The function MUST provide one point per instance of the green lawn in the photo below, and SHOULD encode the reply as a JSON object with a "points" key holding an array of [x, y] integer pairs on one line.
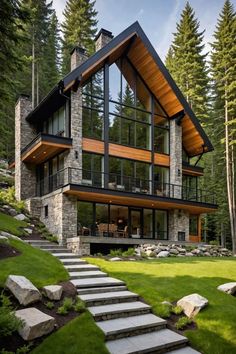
{"points": [[38, 266], [172, 278], [80, 336], [11, 225]]}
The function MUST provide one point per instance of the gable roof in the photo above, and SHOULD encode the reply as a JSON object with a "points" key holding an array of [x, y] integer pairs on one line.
{"points": [[137, 47]]}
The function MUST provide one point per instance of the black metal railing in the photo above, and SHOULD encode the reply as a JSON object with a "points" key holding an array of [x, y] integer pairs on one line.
{"points": [[111, 181]]}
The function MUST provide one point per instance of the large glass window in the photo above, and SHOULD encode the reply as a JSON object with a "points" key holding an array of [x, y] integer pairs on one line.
{"points": [[189, 187], [128, 175], [147, 223], [161, 131], [102, 220], [93, 106], [161, 180], [193, 225], [161, 225], [92, 169], [85, 218], [55, 125]]}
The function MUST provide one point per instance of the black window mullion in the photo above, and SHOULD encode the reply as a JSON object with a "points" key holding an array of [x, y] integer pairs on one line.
{"points": [[106, 125]]}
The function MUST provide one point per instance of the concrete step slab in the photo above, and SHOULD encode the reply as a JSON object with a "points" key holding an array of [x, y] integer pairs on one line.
{"points": [[87, 274], [186, 350], [101, 289], [96, 282], [56, 250], [155, 342], [130, 326], [72, 261], [81, 267], [108, 298], [124, 309], [37, 241], [62, 255]]}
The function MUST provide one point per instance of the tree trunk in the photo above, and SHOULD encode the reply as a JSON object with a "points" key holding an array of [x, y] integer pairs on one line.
{"points": [[33, 71], [229, 178], [37, 84]]}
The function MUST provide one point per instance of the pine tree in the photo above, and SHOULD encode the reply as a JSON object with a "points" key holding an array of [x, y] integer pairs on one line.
{"points": [[223, 65], [79, 28], [187, 63], [11, 35]]}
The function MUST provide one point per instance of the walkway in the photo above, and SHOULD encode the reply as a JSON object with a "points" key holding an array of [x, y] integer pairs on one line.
{"points": [[128, 323]]}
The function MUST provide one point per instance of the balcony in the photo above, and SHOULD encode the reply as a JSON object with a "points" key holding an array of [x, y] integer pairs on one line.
{"points": [[43, 147], [104, 187]]}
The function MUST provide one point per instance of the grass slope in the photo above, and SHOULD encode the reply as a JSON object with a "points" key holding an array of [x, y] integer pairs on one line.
{"points": [[80, 336], [38, 266], [11, 225], [170, 279]]}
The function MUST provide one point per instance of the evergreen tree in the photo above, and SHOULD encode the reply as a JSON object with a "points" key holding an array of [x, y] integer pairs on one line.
{"points": [[223, 65], [79, 28], [11, 35], [187, 63]]}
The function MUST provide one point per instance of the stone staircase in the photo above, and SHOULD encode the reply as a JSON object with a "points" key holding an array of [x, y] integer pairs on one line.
{"points": [[127, 323]]}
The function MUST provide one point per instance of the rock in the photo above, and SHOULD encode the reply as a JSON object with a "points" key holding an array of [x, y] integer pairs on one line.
{"points": [[188, 254], [29, 231], [132, 259], [6, 234], [207, 254], [3, 238], [53, 292], [35, 323], [192, 304], [25, 292], [12, 212], [115, 259], [163, 254], [228, 288], [196, 251], [20, 217], [173, 251], [150, 253]]}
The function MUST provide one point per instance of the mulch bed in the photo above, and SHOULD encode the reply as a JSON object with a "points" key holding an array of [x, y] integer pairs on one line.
{"points": [[173, 319], [8, 251], [11, 343]]}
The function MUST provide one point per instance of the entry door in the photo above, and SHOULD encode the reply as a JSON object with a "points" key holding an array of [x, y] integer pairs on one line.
{"points": [[135, 223]]}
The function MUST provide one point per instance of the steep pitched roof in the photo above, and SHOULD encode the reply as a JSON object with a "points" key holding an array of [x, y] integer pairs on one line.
{"points": [[137, 47]]}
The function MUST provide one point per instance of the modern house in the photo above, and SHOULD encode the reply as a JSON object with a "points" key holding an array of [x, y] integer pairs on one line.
{"points": [[105, 157]]}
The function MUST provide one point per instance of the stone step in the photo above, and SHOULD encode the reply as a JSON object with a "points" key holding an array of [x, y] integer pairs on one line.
{"points": [[56, 250], [130, 326], [124, 309], [87, 274], [65, 255], [101, 289], [38, 241], [72, 261], [81, 267], [50, 246], [155, 342], [109, 298], [185, 350], [94, 282], [39, 244]]}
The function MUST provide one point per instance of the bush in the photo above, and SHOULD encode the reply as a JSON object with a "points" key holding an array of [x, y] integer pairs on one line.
{"points": [[129, 252], [9, 323], [183, 322], [66, 306], [214, 243], [115, 253], [22, 350], [8, 197], [49, 305], [144, 254], [79, 306], [177, 310]]}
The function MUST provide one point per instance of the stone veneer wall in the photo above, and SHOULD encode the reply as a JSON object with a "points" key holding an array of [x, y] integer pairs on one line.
{"points": [[62, 214], [76, 245], [178, 218], [25, 178]]}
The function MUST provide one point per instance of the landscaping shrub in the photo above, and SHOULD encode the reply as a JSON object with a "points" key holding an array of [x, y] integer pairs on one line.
{"points": [[115, 253], [49, 305], [129, 252], [8, 321], [177, 310], [183, 322], [79, 306], [66, 307], [8, 197]]}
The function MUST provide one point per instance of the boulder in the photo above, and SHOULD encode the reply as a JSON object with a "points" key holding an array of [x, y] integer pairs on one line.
{"points": [[228, 288], [6, 234], [163, 254], [192, 304], [20, 217], [35, 323], [29, 231], [174, 251], [188, 254], [25, 292], [3, 238], [150, 253], [53, 292], [115, 259]]}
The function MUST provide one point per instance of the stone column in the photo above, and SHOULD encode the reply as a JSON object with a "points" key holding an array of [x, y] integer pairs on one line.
{"points": [[178, 222], [25, 178], [176, 158], [102, 38]]}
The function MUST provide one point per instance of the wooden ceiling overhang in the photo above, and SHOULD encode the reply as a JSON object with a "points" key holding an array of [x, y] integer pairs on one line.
{"points": [[135, 44], [43, 147], [145, 201]]}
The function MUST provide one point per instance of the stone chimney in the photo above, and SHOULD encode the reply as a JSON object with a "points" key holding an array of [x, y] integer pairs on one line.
{"points": [[78, 56], [102, 38], [25, 182]]}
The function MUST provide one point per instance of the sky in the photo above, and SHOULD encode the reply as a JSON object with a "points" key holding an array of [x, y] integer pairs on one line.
{"points": [[157, 17]]}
